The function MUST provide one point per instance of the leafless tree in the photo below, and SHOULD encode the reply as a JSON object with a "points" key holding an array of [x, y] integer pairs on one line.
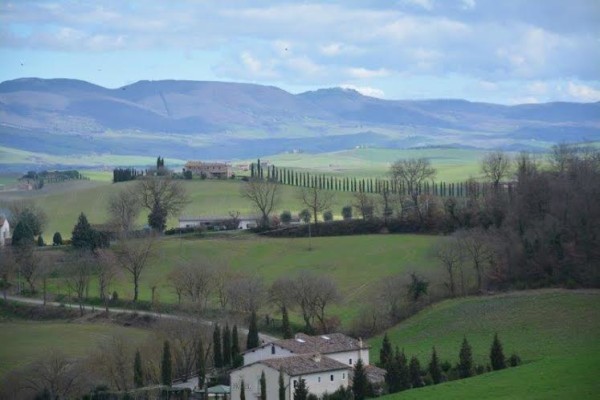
{"points": [[133, 255], [281, 294], [412, 173], [193, 279], [364, 204], [234, 219], [264, 196], [28, 264], [387, 209], [113, 361], [123, 209], [317, 200], [474, 245], [326, 294], [246, 293], [8, 267], [107, 271], [495, 166], [450, 253], [391, 297], [78, 272], [163, 192], [223, 274]]}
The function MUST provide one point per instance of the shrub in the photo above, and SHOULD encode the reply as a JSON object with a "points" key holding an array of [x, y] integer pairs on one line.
{"points": [[347, 212], [115, 296], [286, 217], [57, 239], [514, 360], [40, 241], [328, 216]]}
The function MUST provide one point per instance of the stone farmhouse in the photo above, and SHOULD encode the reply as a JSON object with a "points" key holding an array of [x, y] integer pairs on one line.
{"points": [[209, 170], [325, 362]]}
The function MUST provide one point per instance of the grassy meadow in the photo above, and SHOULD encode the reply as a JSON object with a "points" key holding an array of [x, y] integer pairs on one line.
{"points": [[24, 341], [555, 332]]}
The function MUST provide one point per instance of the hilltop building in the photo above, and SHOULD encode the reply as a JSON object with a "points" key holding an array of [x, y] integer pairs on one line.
{"points": [[209, 170], [325, 362]]}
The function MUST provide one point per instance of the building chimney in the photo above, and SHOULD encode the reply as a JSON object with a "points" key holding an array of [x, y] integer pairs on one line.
{"points": [[316, 357]]}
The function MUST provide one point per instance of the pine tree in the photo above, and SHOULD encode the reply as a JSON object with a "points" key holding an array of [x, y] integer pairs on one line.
{"points": [[301, 390], [200, 364], [465, 364], [403, 372], [385, 353], [285, 324], [22, 235], [138, 374], [226, 346], [236, 358], [434, 368], [83, 236], [281, 386], [497, 355], [166, 365], [359, 382], [263, 386], [252, 340], [414, 370], [217, 354], [392, 376], [243, 390]]}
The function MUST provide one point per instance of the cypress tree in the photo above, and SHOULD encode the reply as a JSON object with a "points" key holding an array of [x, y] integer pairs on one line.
{"points": [[226, 346], [285, 324], [200, 364], [217, 354], [83, 236], [301, 390], [252, 340], [403, 372], [414, 370], [57, 239], [138, 374], [385, 353], [465, 364], [166, 365], [281, 386], [40, 241], [243, 391], [392, 376], [434, 368], [497, 355], [263, 386], [236, 358], [359, 382]]}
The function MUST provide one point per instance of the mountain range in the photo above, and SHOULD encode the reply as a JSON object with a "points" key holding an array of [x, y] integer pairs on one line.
{"points": [[223, 120]]}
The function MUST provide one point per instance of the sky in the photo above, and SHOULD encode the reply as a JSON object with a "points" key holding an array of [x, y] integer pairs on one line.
{"points": [[500, 51]]}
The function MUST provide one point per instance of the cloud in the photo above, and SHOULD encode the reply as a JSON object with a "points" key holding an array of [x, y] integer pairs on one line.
{"points": [[583, 93], [468, 4], [365, 90], [365, 73], [424, 4]]}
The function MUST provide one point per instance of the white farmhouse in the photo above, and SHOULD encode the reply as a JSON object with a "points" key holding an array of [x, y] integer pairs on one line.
{"points": [[4, 230], [325, 362]]}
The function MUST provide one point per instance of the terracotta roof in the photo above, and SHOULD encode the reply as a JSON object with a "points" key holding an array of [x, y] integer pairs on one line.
{"points": [[304, 364], [375, 374], [324, 344]]}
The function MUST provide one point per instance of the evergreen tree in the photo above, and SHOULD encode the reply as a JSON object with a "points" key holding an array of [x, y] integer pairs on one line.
{"points": [[359, 382], [157, 219], [252, 340], [217, 354], [200, 364], [403, 372], [434, 368], [226, 346], [40, 241], [301, 390], [243, 390], [497, 355], [281, 386], [22, 235], [83, 236], [392, 376], [236, 358], [263, 386], [465, 363], [138, 374], [385, 353], [285, 324], [166, 365], [414, 370], [57, 239]]}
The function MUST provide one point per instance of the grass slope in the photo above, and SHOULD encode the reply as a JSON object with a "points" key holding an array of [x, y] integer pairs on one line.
{"points": [[24, 341], [556, 333]]}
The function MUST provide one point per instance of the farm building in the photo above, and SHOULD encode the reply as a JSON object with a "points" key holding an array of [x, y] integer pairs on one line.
{"points": [[218, 223], [209, 170]]}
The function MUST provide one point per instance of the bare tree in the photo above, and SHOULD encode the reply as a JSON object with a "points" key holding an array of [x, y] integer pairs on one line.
{"points": [[451, 255], [123, 209], [317, 200], [28, 264], [326, 294], [234, 219], [495, 166], [386, 203], [222, 276], [281, 294], [162, 196], [475, 247], [54, 372], [133, 255], [114, 360], [8, 267], [78, 273], [412, 173], [194, 280], [364, 204], [246, 293], [107, 271], [264, 196]]}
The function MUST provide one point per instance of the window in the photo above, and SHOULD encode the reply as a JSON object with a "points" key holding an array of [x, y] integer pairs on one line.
{"points": [[350, 361], [319, 379], [272, 349], [344, 375], [331, 377], [295, 383]]}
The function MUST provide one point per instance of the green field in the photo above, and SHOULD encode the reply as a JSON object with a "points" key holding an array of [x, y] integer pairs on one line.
{"points": [[555, 332], [24, 341]]}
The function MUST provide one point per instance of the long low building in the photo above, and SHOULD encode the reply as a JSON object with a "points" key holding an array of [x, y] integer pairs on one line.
{"points": [[210, 170], [218, 223]]}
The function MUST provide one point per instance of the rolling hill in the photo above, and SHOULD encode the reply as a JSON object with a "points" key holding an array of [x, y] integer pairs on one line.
{"points": [[223, 120]]}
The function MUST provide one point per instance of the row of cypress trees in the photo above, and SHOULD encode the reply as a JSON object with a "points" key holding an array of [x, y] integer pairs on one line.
{"points": [[226, 347]]}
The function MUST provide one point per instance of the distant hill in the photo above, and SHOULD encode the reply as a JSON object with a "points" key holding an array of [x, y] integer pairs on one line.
{"points": [[222, 120]]}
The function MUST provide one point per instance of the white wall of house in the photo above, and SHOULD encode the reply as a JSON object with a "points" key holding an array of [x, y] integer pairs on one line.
{"points": [[266, 352], [247, 224], [350, 357], [319, 383]]}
